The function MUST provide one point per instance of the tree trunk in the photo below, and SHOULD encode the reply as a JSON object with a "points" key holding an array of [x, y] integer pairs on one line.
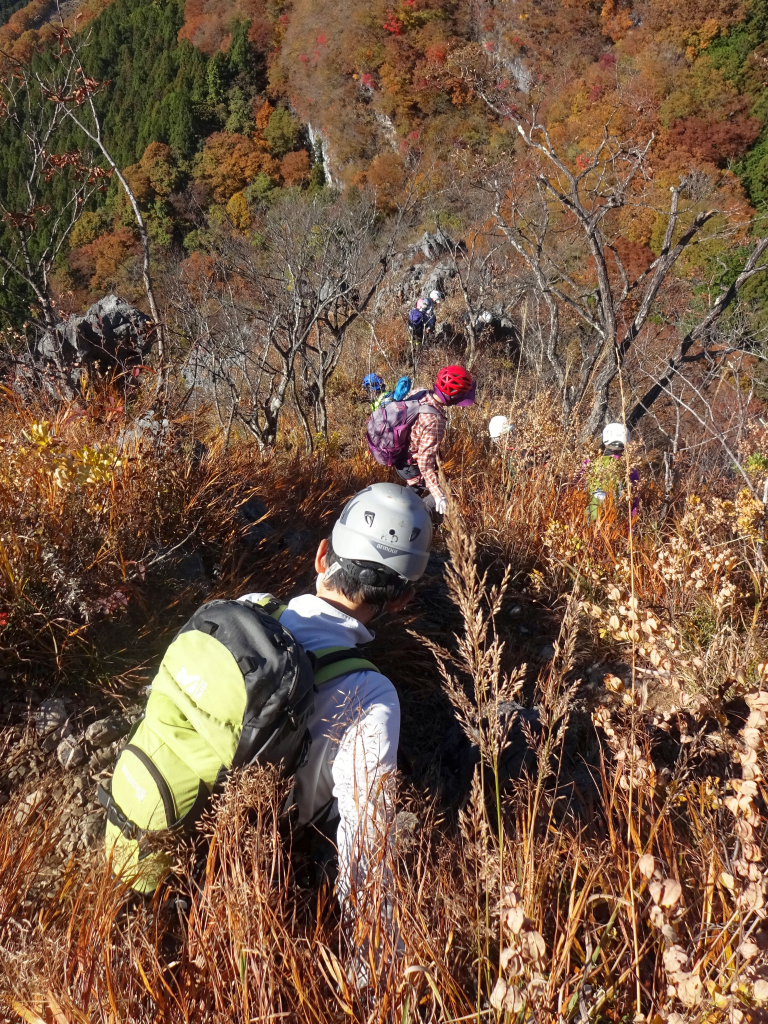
{"points": [[95, 136], [309, 440]]}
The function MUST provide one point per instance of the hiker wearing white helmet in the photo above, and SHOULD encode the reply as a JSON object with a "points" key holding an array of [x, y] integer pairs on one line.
{"points": [[435, 296], [377, 550], [421, 319], [615, 438], [607, 474], [500, 427]]}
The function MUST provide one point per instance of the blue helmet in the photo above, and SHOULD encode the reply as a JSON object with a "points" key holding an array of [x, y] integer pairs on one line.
{"points": [[373, 382]]}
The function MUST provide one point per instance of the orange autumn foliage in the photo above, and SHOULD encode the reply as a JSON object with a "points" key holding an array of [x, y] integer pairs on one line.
{"points": [[103, 260], [295, 167], [263, 115], [207, 23], [229, 161]]}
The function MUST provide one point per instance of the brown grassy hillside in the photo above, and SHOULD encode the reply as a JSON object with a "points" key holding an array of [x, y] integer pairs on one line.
{"points": [[605, 863]]}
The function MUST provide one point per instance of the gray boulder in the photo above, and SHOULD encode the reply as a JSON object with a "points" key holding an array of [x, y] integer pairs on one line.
{"points": [[52, 723], [112, 331], [50, 715], [298, 541], [92, 829], [148, 427], [434, 245], [70, 753], [28, 806], [51, 740], [107, 730]]}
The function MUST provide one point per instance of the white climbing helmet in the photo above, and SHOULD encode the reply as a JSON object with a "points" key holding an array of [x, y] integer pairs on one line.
{"points": [[485, 317], [615, 433], [498, 426], [435, 296], [383, 526]]}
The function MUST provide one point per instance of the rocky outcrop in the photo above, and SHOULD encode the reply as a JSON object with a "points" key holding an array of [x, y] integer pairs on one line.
{"points": [[111, 332], [424, 267]]}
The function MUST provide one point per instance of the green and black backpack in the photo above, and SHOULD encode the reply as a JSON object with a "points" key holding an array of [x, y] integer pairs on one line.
{"points": [[234, 688]]}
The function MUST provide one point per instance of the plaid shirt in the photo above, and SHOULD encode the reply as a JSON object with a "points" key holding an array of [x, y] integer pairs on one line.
{"points": [[427, 432]]}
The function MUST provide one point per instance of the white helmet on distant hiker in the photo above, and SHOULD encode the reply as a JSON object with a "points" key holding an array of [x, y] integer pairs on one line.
{"points": [[383, 532], [498, 426], [485, 317], [435, 296], [615, 434]]}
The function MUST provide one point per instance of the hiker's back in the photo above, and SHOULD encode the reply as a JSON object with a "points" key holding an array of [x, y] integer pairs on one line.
{"points": [[235, 687], [389, 428], [339, 703]]}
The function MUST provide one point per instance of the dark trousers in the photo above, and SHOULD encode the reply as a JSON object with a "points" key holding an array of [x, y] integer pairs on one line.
{"points": [[410, 472]]}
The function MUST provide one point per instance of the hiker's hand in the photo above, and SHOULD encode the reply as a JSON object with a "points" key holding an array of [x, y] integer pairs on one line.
{"points": [[441, 506]]}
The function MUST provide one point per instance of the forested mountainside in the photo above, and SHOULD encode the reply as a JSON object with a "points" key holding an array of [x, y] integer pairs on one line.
{"points": [[7, 9], [225, 101]]}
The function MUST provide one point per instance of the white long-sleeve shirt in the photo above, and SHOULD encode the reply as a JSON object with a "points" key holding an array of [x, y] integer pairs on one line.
{"points": [[355, 729]]}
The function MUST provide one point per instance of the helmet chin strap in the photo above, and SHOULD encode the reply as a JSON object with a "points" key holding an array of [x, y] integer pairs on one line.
{"points": [[369, 574]]}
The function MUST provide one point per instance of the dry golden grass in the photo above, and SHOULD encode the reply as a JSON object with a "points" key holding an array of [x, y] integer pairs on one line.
{"points": [[620, 876]]}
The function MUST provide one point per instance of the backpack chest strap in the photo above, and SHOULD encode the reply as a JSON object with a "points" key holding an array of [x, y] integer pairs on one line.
{"points": [[272, 606], [332, 662]]}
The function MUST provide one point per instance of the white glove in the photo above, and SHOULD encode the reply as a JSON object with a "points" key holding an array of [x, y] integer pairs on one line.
{"points": [[441, 506]]}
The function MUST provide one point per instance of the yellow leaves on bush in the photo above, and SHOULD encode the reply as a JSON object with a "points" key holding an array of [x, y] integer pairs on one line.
{"points": [[238, 211], [263, 115], [86, 468], [674, 958], [386, 176], [160, 168], [616, 20], [690, 989], [507, 998], [526, 951], [749, 514], [40, 434], [104, 261], [511, 962], [514, 919]]}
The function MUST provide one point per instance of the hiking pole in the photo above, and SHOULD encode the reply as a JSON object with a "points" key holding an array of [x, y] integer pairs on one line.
{"points": [[413, 353]]}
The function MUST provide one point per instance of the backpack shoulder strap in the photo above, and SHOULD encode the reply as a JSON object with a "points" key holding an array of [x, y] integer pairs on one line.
{"points": [[332, 662], [423, 407], [328, 663]]}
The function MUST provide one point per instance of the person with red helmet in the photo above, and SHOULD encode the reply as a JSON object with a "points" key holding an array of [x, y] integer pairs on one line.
{"points": [[453, 386]]}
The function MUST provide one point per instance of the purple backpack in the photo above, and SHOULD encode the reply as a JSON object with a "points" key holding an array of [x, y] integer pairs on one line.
{"points": [[389, 429]]}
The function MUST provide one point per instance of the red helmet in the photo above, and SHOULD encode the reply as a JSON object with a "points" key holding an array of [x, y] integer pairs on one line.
{"points": [[455, 385]]}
